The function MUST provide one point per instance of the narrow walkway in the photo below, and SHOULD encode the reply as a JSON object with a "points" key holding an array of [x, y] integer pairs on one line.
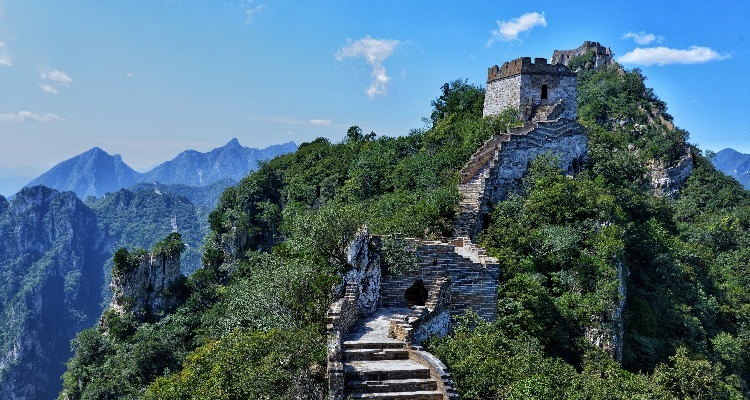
{"points": [[378, 367]]}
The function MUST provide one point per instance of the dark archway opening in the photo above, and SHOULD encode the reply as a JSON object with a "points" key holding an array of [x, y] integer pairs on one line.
{"points": [[544, 92]]}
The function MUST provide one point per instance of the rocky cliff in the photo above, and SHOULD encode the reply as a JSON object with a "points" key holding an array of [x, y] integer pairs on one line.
{"points": [[51, 256], [145, 284]]}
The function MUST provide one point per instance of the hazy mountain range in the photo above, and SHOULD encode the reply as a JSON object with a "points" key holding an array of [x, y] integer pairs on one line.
{"points": [[96, 172], [734, 164]]}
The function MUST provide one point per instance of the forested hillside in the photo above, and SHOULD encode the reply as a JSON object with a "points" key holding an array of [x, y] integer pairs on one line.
{"points": [[571, 249], [56, 258]]}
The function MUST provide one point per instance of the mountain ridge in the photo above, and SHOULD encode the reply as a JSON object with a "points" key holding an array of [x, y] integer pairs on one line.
{"points": [[735, 164], [96, 172]]}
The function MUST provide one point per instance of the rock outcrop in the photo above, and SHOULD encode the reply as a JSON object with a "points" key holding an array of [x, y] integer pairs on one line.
{"points": [[143, 284]]}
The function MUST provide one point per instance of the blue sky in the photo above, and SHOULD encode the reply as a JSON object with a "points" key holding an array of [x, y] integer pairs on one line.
{"points": [[149, 78]]}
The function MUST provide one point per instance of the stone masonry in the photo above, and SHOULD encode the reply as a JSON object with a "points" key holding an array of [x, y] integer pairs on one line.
{"points": [[525, 86], [496, 169], [380, 357], [474, 283]]}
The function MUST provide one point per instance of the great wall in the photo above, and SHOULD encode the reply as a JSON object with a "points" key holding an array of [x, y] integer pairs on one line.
{"points": [[373, 336]]}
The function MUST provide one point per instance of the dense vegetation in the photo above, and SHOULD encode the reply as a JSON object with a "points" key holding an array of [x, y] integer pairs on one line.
{"points": [[252, 323], [563, 243]]}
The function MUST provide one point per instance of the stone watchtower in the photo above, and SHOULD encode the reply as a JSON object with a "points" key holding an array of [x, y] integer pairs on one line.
{"points": [[538, 90]]}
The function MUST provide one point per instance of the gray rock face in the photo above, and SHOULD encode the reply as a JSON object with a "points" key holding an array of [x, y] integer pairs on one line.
{"points": [[668, 178], [145, 291], [365, 271], [51, 257]]}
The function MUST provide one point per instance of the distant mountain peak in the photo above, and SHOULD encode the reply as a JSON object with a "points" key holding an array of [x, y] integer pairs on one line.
{"points": [[734, 164], [96, 172]]}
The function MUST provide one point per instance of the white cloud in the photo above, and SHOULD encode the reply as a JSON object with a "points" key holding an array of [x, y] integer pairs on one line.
{"points": [[374, 51], [57, 76], [129, 74], [509, 30], [5, 60], [2, 44], [666, 55], [23, 116], [251, 10], [48, 88], [642, 37], [321, 122]]}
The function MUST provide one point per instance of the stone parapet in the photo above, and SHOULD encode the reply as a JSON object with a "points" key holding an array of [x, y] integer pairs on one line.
{"points": [[438, 371], [342, 315], [524, 66]]}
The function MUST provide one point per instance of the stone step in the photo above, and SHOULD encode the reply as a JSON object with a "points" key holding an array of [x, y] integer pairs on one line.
{"points": [[361, 344], [375, 354], [417, 395], [391, 385], [384, 370]]}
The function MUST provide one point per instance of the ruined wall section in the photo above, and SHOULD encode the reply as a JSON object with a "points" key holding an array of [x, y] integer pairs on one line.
{"points": [[668, 178], [602, 55], [474, 284], [566, 140]]}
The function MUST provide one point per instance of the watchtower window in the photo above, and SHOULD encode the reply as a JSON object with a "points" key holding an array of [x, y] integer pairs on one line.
{"points": [[544, 92]]}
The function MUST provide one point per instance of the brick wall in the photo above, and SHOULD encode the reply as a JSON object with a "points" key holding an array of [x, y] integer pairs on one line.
{"points": [[473, 284]]}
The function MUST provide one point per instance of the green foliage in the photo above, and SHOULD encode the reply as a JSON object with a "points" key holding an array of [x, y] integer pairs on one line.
{"points": [[140, 219], [126, 262], [172, 245], [398, 256], [457, 97], [251, 325], [249, 365]]}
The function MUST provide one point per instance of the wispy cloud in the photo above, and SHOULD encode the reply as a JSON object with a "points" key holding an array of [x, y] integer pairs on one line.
{"points": [[129, 74], [666, 55], [57, 76], [2, 44], [24, 116], [251, 9], [321, 122], [509, 30], [643, 38], [295, 121], [374, 51], [5, 60], [48, 88]]}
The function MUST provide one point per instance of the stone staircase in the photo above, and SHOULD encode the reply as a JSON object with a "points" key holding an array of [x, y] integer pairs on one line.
{"points": [[379, 367], [548, 112], [473, 177]]}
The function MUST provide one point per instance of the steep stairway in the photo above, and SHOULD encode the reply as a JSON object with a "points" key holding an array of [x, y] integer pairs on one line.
{"points": [[378, 367], [473, 177]]}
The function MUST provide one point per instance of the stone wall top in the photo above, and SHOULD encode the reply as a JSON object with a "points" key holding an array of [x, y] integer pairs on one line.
{"points": [[603, 55], [524, 66]]}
